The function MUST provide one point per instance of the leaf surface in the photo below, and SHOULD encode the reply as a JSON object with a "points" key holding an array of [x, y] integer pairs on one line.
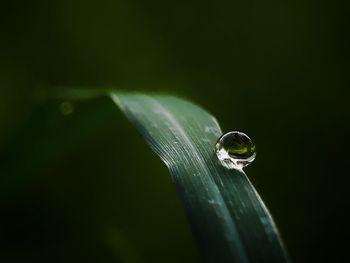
{"points": [[228, 218]]}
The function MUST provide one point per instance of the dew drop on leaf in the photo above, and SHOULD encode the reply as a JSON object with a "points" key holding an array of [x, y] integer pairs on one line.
{"points": [[235, 150]]}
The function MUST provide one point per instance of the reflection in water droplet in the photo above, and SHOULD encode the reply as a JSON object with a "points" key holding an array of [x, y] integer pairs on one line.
{"points": [[67, 108], [235, 150]]}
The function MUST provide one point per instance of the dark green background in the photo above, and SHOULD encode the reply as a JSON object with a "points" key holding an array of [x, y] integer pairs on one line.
{"points": [[85, 188]]}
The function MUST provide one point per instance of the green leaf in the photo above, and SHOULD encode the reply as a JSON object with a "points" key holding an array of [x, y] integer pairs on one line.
{"points": [[228, 218]]}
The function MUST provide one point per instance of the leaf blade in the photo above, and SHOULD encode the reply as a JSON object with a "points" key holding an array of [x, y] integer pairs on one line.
{"points": [[228, 217]]}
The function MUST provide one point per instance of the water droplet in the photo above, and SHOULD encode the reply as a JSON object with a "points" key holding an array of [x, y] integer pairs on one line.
{"points": [[235, 150], [67, 108]]}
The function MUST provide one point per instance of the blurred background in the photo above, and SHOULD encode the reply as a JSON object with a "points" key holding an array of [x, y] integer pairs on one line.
{"points": [[78, 184]]}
